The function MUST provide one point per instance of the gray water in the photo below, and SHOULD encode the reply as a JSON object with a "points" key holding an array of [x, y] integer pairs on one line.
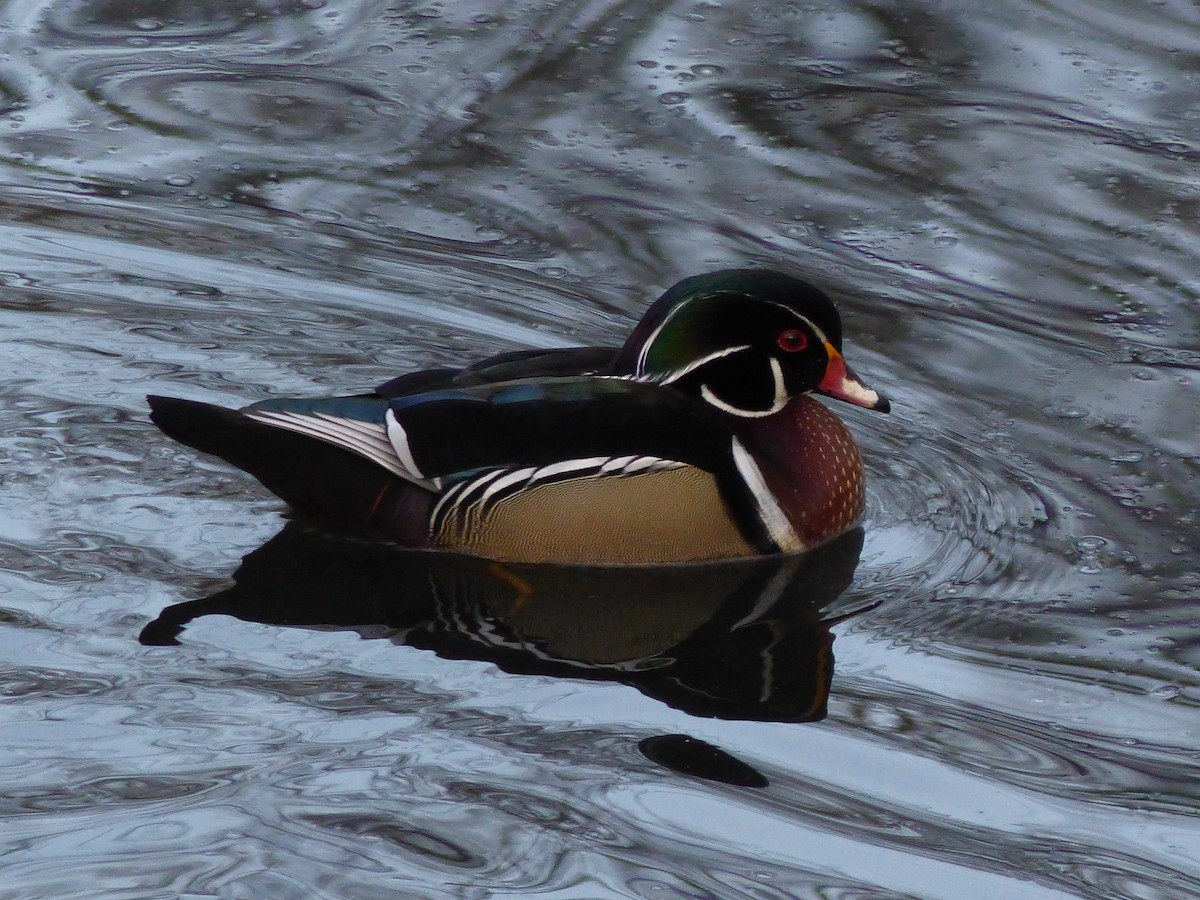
{"points": [[230, 201]]}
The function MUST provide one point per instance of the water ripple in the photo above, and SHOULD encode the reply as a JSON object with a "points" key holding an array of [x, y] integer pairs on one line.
{"points": [[152, 22], [242, 102], [274, 197], [945, 516]]}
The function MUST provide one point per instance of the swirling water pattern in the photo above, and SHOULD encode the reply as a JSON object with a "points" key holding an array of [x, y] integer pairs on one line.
{"points": [[231, 201]]}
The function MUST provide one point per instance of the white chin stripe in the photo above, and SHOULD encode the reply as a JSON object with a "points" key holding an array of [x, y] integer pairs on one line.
{"points": [[778, 402]]}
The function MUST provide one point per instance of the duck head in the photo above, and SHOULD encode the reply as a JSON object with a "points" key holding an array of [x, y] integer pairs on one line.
{"points": [[746, 342]]}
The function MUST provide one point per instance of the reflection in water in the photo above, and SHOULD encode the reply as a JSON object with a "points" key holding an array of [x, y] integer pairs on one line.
{"points": [[731, 641]]}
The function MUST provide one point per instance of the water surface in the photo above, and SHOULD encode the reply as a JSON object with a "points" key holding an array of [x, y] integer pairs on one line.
{"points": [[234, 201]]}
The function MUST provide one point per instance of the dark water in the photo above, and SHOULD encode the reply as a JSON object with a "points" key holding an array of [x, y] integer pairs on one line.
{"points": [[234, 201]]}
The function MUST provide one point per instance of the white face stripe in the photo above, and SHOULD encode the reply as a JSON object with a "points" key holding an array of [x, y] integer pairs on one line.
{"points": [[769, 511], [641, 362], [778, 402], [675, 374], [805, 319], [809, 322], [640, 370], [781, 394]]}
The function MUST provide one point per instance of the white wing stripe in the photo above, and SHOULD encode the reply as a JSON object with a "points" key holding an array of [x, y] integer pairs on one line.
{"points": [[470, 500], [399, 438], [617, 462], [480, 482], [513, 478], [357, 437], [324, 430], [455, 498], [648, 463], [365, 428], [570, 465]]}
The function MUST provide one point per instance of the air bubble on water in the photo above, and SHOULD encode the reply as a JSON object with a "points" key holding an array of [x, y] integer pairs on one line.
{"points": [[1132, 456], [1166, 692], [1064, 411]]}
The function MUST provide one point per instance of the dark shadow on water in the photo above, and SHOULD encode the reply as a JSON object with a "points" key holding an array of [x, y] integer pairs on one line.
{"points": [[741, 640], [744, 640]]}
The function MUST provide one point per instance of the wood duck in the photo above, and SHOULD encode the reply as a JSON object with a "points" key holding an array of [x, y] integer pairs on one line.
{"points": [[697, 440]]}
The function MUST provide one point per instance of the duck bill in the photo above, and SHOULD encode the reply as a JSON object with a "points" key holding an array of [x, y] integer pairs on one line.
{"points": [[841, 383]]}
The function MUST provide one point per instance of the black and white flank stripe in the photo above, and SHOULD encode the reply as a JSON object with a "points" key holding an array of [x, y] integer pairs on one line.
{"points": [[468, 502]]}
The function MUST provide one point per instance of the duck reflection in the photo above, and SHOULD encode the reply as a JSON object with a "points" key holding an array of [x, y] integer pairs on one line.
{"points": [[741, 640]]}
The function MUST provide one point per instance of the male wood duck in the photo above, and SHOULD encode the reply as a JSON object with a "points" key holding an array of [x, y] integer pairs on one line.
{"points": [[697, 440]]}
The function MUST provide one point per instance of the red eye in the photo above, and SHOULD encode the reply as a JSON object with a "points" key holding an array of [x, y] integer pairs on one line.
{"points": [[793, 340]]}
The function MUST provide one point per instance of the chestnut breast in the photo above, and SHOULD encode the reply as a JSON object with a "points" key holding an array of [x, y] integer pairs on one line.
{"points": [[811, 464]]}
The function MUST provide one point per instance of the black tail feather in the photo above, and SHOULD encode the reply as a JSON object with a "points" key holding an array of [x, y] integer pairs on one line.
{"points": [[317, 479]]}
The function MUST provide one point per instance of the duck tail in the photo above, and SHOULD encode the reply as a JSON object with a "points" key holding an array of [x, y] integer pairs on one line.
{"points": [[315, 478]]}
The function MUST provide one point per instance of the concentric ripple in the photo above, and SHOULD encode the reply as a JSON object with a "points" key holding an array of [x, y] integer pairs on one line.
{"points": [[101, 22], [273, 102], [234, 199], [943, 515]]}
